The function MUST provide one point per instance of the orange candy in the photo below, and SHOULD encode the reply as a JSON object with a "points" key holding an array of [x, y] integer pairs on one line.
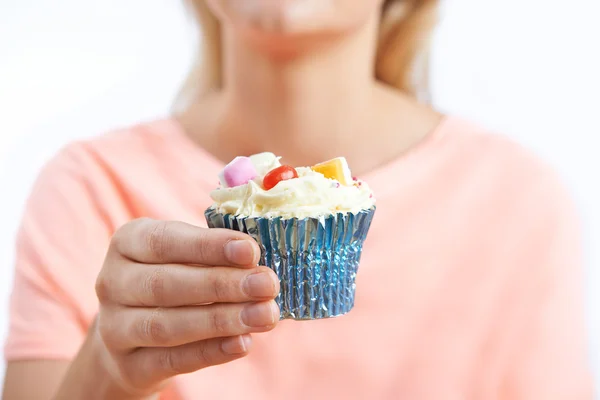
{"points": [[337, 169]]}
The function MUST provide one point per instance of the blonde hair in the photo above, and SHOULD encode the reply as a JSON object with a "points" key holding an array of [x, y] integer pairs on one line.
{"points": [[402, 50]]}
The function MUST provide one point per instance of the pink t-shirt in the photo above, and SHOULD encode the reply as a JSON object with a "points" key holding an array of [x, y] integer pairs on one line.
{"points": [[469, 285]]}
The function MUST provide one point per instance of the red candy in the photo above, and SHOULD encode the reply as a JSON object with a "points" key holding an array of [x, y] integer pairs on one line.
{"points": [[277, 175]]}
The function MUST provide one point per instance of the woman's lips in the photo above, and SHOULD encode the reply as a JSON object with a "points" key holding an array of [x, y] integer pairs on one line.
{"points": [[285, 16]]}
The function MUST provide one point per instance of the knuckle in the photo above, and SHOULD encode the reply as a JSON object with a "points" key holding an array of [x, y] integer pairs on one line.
{"points": [[202, 354], [152, 329], [220, 323], [157, 241], [109, 336], [116, 241], [167, 361], [119, 237], [222, 287], [204, 248], [102, 288], [102, 326], [154, 285]]}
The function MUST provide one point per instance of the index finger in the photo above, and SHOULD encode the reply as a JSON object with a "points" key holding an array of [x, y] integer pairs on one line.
{"points": [[158, 242]]}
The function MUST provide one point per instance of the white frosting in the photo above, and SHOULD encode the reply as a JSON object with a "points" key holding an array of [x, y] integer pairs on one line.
{"points": [[309, 195]]}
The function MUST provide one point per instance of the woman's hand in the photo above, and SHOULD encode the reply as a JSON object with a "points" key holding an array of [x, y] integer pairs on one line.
{"points": [[175, 298]]}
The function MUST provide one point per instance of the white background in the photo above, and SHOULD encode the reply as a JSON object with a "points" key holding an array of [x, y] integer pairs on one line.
{"points": [[72, 69]]}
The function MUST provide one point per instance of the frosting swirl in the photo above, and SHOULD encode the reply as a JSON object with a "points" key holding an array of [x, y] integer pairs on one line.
{"points": [[311, 194]]}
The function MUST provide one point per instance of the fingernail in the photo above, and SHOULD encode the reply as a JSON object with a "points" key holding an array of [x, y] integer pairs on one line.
{"points": [[236, 345], [259, 285], [240, 252], [247, 341], [260, 315]]}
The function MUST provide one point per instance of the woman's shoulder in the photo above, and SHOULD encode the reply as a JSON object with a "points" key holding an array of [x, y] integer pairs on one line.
{"points": [[135, 141], [494, 159], [140, 150], [475, 142], [466, 160], [135, 169], [478, 171]]}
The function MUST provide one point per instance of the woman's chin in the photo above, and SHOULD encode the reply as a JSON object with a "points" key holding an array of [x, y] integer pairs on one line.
{"points": [[291, 26], [287, 43], [292, 32]]}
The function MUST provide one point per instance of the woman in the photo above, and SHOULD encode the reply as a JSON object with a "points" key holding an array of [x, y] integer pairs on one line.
{"points": [[469, 282]]}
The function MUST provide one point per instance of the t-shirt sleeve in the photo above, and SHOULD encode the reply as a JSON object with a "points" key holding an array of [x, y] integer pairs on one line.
{"points": [[551, 359], [59, 250]]}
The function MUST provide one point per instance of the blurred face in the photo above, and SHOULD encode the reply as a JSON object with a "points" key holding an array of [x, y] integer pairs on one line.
{"points": [[292, 18]]}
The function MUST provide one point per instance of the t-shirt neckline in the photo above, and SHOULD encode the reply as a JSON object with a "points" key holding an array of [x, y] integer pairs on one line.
{"points": [[377, 178]]}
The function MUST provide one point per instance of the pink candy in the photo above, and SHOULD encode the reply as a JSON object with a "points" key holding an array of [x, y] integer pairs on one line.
{"points": [[238, 172]]}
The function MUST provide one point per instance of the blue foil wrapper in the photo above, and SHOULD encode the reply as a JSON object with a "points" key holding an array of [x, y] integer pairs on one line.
{"points": [[316, 259]]}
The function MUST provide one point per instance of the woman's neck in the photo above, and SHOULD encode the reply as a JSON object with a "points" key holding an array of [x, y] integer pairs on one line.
{"points": [[307, 107]]}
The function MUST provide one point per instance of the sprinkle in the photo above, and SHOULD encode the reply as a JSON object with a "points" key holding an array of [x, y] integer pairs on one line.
{"points": [[337, 184], [354, 178], [371, 196]]}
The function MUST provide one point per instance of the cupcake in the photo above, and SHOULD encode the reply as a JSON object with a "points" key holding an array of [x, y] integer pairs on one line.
{"points": [[310, 223]]}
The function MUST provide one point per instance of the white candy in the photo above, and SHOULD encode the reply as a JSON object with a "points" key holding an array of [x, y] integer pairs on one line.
{"points": [[265, 162]]}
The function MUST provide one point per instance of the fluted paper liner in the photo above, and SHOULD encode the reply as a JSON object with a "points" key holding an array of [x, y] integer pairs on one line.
{"points": [[316, 259]]}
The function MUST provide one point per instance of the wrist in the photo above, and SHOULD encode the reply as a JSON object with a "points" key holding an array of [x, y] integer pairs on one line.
{"points": [[94, 375], [114, 386]]}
